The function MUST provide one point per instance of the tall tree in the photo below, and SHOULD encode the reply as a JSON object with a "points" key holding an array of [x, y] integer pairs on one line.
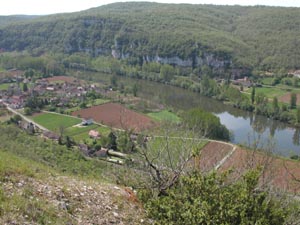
{"points": [[253, 95], [298, 115], [25, 87], [293, 101]]}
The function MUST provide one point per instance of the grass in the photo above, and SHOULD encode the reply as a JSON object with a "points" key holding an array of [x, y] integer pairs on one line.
{"points": [[4, 86], [178, 148], [81, 133], [69, 161], [53, 121], [165, 115], [98, 101], [267, 80], [269, 91], [16, 204]]}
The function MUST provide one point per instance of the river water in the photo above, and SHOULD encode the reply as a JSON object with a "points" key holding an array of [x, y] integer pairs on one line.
{"points": [[246, 128]]}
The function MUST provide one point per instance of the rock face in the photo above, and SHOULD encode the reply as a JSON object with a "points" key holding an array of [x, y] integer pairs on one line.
{"points": [[207, 59]]}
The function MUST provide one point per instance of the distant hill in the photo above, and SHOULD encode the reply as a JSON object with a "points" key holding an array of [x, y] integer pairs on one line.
{"points": [[8, 20], [187, 35]]}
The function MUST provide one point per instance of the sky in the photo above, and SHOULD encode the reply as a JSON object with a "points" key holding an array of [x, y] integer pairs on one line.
{"points": [[43, 7]]}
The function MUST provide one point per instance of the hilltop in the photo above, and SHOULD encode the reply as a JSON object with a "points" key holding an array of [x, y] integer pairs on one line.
{"points": [[222, 37]]}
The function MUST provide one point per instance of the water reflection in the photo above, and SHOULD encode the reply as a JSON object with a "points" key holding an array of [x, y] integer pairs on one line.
{"points": [[247, 128]]}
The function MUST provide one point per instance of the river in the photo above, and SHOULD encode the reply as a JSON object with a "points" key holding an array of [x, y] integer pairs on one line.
{"points": [[246, 128]]}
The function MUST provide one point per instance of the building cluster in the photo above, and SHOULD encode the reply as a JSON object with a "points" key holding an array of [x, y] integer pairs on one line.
{"points": [[63, 92]]}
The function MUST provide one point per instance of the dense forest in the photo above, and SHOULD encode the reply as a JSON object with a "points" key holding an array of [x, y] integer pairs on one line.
{"points": [[221, 37]]}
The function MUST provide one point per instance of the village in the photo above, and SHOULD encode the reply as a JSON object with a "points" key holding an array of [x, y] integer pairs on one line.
{"points": [[61, 97]]}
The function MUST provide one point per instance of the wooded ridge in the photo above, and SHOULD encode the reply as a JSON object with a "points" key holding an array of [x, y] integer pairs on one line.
{"points": [[222, 37]]}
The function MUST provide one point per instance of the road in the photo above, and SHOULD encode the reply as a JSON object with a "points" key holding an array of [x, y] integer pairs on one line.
{"points": [[26, 118]]}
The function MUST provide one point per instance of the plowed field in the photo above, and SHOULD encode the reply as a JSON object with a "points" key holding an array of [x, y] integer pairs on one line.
{"points": [[117, 116]]}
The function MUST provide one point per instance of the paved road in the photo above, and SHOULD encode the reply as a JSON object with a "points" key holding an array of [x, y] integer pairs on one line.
{"points": [[26, 118]]}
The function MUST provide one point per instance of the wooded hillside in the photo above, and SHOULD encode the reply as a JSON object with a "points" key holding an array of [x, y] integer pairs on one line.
{"points": [[224, 37]]}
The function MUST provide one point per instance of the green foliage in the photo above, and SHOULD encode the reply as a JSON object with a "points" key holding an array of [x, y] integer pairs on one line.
{"points": [[236, 33], [135, 90], [205, 123], [253, 95], [25, 87], [293, 101], [50, 153], [210, 199], [27, 111], [124, 142], [298, 115]]}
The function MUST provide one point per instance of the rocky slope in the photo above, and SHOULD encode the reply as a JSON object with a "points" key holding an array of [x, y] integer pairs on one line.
{"points": [[37, 195]]}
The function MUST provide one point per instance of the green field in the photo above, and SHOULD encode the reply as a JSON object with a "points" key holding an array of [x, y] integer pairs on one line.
{"points": [[81, 133], [172, 150], [98, 101], [4, 86], [270, 92], [165, 115], [53, 121]]}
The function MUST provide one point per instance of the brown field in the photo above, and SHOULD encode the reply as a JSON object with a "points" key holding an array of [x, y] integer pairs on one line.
{"points": [[211, 154], [287, 98], [277, 173], [61, 78], [117, 116]]}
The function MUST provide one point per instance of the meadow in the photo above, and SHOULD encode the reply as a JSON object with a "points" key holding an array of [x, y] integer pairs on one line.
{"points": [[164, 115], [54, 122]]}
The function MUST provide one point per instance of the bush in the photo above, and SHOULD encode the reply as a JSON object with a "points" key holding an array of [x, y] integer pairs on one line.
{"points": [[198, 199]]}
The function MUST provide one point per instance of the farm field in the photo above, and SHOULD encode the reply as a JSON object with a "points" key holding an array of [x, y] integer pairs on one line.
{"points": [[53, 121], [117, 116], [62, 79], [81, 133], [287, 98], [279, 172], [165, 115], [211, 155], [179, 147], [4, 86], [270, 92]]}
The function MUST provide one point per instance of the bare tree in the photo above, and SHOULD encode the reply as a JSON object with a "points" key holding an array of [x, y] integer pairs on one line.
{"points": [[165, 158]]}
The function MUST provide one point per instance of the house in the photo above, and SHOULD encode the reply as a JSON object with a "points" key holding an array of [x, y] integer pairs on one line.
{"points": [[87, 122], [17, 101], [244, 82], [94, 134], [295, 73]]}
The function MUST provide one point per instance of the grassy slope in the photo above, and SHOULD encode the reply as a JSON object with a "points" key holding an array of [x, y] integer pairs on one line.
{"points": [[32, 193]]}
